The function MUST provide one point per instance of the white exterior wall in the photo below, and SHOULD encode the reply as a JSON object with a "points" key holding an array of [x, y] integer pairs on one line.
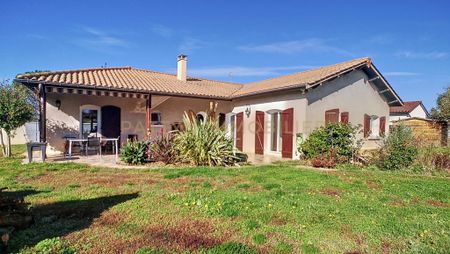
{"points": [[267, 103], [350, 93]]}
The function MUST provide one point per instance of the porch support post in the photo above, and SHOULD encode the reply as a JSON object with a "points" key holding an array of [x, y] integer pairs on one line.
{"points": [[42, 114], [148, 117]]}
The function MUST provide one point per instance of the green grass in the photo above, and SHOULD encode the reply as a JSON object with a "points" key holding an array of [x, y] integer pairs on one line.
{"points": [[280, 208]]}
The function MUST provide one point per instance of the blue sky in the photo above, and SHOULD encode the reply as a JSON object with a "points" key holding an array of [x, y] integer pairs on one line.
{"points": [[238, 41]]}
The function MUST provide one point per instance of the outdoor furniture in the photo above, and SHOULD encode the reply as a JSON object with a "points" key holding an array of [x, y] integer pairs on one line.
{"points": [[93, 144], [115, 145], [40, 145], [71, 142]]}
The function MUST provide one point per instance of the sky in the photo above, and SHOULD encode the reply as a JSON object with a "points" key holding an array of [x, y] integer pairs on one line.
{"points": [[236, 41]]}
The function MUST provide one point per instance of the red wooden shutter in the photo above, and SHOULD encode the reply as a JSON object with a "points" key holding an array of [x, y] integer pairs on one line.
{"points": [[240, 130], [382, 126], [259, 132], [287, 129], [344, 117], [332, 116], [366, 125]]}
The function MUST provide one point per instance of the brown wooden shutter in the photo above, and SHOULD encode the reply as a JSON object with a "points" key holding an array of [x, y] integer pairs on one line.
{"points": [[332, 116], [287, 129], [344, 117], [366, 125], [382, 126], [259, 132], [240, 130]]}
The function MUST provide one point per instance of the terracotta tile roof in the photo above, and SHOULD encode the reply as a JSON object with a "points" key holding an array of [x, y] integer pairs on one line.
{"points": [[132, 79], [407, 107], [299, 79]]}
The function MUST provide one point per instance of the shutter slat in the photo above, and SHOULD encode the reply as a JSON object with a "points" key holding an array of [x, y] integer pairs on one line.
{"points": [[366, 125], [382, 126]]}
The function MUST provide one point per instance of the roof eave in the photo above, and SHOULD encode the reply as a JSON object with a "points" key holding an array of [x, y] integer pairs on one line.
{"points": [[64, 85]]}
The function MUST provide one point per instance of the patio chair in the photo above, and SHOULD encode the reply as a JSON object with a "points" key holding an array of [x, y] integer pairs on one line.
{"points": [[93, 144]]}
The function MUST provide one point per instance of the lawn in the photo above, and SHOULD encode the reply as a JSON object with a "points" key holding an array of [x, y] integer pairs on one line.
{"points": [[280, 208]]}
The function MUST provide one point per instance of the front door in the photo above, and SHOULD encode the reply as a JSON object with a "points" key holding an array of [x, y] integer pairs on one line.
{"points": [[111, 121], [259, 133]]}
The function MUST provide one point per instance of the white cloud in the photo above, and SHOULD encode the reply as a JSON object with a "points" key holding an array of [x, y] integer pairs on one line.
{"points": [[241, 71], [99, 40], [400, 74], [190, 44], [296, 46], [423, 55], [163, 31]]}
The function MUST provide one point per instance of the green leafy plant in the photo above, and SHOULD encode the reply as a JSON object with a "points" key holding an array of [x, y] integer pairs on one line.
{"points": [[204, 143], [135, 153], [162, 149], [399, 151], [337, 137]]}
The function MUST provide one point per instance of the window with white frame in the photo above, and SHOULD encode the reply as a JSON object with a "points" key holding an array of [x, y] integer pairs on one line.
{"points": [[374, 126], [231, 126], [90, 118], [275, 131], [156, 118]]}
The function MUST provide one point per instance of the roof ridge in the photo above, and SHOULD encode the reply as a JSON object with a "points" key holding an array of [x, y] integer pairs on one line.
{"points": [[171, 74], [313, 69], [73, 70]]}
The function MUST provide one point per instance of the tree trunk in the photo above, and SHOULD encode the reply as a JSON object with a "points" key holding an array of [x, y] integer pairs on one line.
{"points": [[2, 143], [8, 149]]}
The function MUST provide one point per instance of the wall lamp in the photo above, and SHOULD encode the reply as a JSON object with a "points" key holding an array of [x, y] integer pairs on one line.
{"points": [[58, 104], [248, 110]]}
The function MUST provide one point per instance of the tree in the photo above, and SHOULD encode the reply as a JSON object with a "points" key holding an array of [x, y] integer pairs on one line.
{"points": [[442, 110], [16, 109]]}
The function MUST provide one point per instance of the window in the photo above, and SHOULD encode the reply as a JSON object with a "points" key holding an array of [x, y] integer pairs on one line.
{"points": [[221, 119], [275, 131], [231, 126], [201, 116], [374, 126], [90, 120], [156, 118]]}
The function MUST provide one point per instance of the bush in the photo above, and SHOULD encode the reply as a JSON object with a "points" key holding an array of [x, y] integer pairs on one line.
{"points": [[337, 137], [135, 153], [163, 150], [433, 158], [399, 150], [50, 246], [324, 161], [204, 143], [232, 248]]}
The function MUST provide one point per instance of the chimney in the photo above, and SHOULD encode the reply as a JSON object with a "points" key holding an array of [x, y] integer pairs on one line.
{"points": [[182, 67]]}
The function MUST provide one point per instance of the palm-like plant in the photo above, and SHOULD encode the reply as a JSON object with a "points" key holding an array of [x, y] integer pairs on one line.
{"points": [[204, 143]]}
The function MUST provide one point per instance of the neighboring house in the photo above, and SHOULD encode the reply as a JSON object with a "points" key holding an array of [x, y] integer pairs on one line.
{"points": [[26, 133], [264, 117], [408, 110]]}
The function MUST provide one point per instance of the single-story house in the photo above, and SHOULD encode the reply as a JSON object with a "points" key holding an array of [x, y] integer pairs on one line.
{"points": [[409, 109], [264, 117]]}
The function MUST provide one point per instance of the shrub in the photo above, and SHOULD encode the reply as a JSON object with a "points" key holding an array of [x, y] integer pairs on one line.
{"points": [[232, 248], [135, 153], [341, 138], [399, 150], [204, 143], [324, 161], [433, 158], [50, 246], [163, 150]]}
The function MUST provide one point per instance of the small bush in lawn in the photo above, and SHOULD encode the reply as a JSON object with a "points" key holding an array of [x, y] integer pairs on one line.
{"points": [[232, 248], [337, 137], [204, 143], [135, 153], [399, 150], [163, 150], [324, 161], [50, 246]]}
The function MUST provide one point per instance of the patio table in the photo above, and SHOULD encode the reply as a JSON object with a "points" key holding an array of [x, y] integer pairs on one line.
{"points": [[82, 140], [71, 141]]}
